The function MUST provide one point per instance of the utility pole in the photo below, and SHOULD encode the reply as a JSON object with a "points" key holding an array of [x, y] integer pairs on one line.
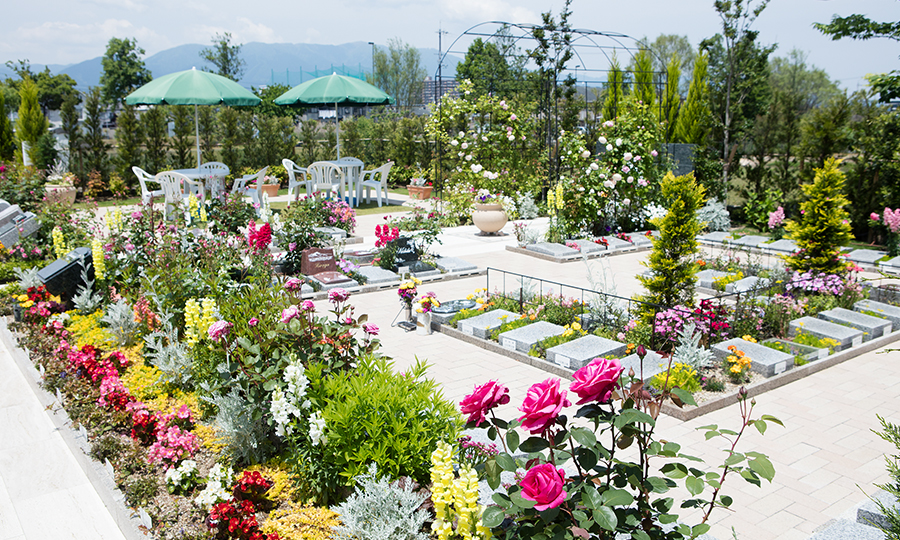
{"points": [[438, 95]]}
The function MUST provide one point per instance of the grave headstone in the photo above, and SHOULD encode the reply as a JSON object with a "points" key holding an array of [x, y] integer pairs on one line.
{"points": [[316, 260], [866, 256], [871, 327], [7, 214], [891, 265], [421, 269], [870, 513], [63, 276], [878, 309], [454, 264], [3, 205], [845, 336], [406, 251], [579, 352], [588, 247], [765, 361], [715, 237], [750, 240], [447, 310], [361, 256], [9, 234], [482, 325], [27, 224], [376, 275], [805, 352], [334, 232], [553, 250], [652, 364], [617, 243], [747, 284], [705, 278], [783, 246], [641, 239], [521, 339]]}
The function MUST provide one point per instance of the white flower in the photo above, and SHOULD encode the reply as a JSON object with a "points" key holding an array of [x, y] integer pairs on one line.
{"points": [[637, 158], [609, 184], [464, 145], [619, 142], [617, 177], [626, 202], [454, 142], [462, 134], [585, 154], [469, 157], [630, 179], [609, 147], [602, 140], [282, 410], [460, 154], [594, 166], [476, 168], [627, 156], [511, 137], [316, 428], [484, 138]]}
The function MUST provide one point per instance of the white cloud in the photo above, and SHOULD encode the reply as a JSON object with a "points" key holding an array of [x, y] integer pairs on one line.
{"points": [[487, 10], [251, 31], [66, 42], [127, 4]]}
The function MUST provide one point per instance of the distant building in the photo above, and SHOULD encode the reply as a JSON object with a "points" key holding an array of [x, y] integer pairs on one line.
{"points": [[431, 93]]}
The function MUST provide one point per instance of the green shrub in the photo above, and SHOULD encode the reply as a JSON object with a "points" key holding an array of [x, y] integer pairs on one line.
{"points": [[680, 376], [377, 415], [230, 213], [509, 325]]}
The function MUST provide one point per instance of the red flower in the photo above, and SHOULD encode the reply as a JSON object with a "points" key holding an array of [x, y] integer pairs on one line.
{"points": [[544, 485], [597, 380], [483, 399], [542, 405]]}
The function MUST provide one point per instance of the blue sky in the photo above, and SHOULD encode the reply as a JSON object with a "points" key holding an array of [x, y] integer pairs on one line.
{"points": [[65, 31]]}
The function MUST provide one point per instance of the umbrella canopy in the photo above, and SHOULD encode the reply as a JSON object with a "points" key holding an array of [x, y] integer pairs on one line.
{"points": [[334, 89], [192, 87]]}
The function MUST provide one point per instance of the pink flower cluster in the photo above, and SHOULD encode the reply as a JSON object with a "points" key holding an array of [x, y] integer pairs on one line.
{"points": [[293, 284], [892, 219], [776, 218], [172, 445], [218, 330], [260, 238], [384, 235], [817, 283], [338, 295]]}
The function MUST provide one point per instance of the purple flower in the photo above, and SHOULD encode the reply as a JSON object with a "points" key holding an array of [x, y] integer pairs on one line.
{"points": [[338, 295], [292, 246], [137, 214], [370, 329], [219, 330]]}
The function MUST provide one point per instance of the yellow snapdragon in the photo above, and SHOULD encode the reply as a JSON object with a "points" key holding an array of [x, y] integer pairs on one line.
{"points": [[99, 260], [198, 316], [455, 498], [59, 243]]}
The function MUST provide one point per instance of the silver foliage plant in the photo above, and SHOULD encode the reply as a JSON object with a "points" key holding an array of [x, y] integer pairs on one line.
{"points": [[381, 510], [87, 301], [28, 277], [119, 317], [243, 431], [715, 215], [525, 206], [164, 349], [689, 351]]}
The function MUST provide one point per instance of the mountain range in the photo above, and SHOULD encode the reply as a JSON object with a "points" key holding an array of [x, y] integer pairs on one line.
{"points": [[266, 63]]}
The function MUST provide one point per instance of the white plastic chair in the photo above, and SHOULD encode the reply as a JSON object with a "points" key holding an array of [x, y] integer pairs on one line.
{"points": [[297, 177], [216, 171], [173, 185], [353, 169], [326, 176], [245, 186], [375, 179], [143, 177]]}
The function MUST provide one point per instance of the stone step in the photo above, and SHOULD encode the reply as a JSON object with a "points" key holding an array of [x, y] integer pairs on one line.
{"points": [[844, 529], [746, 284], [820, 328], [579, 352], [482, 325], [764, 360], [870, 514], [890, 265], [871, 327], [783, 246], [866, 256], [879, 309], [553, 250], [705, 278], [521, 339], [750, 240]]}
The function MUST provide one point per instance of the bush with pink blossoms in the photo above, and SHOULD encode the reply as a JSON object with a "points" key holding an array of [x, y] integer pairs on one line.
{"points": [[621, 473]]}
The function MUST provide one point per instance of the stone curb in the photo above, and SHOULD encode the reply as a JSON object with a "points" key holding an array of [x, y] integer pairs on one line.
{"points": [[362, 289], [573, 258], [97, 474]]}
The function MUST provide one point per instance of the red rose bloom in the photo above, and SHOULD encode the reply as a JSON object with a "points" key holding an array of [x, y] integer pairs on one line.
{"points": [[542, 405], [597, 380], [483, 399]]}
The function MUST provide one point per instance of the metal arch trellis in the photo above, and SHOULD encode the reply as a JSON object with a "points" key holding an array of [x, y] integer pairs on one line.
{"points": [[581, 39]]}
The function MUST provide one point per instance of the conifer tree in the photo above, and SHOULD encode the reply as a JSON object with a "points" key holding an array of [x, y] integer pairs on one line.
{"points": [[615, 95], [32, 123], [694, 119], [672, 260], [824, 225], [129, 140], [7, 143], [671, 101], [643, 80]]}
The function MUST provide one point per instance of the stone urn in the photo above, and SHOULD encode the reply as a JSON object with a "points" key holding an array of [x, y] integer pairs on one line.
{"points": [[489, 218], [60, 194]]}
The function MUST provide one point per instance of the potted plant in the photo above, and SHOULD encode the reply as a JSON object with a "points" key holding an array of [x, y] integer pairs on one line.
{"points": [[489, 215], [60, 186], [427, 303], [419, 188], [270, 185]]}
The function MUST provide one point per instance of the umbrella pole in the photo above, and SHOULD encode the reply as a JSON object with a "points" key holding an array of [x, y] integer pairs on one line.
{"points": [[337, 122], [197, 135]]}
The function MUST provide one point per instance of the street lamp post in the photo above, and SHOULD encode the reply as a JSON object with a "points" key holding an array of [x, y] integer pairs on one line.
{"points": [[372, 43]]}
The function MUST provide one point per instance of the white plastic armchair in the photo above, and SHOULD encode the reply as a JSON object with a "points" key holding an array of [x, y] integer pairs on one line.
{"points": [[326, 176], [143, 177], [353, 169], [251, 185], [375, 179], [297, 177], [216, 171], [173, 185]]}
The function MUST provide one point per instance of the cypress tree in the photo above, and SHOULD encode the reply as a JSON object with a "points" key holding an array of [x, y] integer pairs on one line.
{"points": [[615, 95], [32, 123], [7, 142], [693, 122], [671, 101]]}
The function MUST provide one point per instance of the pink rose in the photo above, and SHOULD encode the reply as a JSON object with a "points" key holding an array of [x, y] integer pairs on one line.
{"points": [[219, 330], [338, 295], [874, 217], [293, 284], [308, 305], [289, 313], [253, 322], [597, 380], [371, 329], [483, 399], [543, 484], [542, 405]]}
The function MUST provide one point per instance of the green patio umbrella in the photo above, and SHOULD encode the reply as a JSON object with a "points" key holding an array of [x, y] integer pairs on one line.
{"points": [[192, 87], [334, 89]]}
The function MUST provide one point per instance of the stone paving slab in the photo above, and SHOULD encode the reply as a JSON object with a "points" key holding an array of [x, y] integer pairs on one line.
{"points": [[747, 284], [866, 256], [715, 237], [784, 245], [652, 364], [765, 361], [589, 247], [454, 264], [618, 243], [891, 265], [887, 311], [705, 278], [844, 529], [820, 328], [522, 339], [482, 325], [579, 352], [872, 327], [751, 240], [554, 250], [375, 275], [870, 514]]}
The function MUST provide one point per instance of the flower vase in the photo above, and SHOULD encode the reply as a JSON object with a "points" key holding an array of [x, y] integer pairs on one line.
{"points": [[409, 314], [489, 218], [423, 323]]}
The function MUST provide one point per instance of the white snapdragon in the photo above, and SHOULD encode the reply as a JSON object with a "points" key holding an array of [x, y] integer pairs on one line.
{"points": [[215, 491], [317, 428]]}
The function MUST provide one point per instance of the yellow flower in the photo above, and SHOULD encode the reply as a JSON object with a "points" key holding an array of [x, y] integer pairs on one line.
{"points": [[576, 326], [749, 338]]}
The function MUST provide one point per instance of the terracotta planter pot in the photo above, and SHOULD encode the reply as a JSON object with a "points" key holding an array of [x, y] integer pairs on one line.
{"points": [[61, 194], [419, 192], [270, 189], [489, 218]]}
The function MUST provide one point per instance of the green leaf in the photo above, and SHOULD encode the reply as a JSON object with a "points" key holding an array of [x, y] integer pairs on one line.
{"points": [[591, 498], [512, 440], [710, 434], [694, 485], [605, 518], [734, 459], [533, 444], [760, 426], [657, 484], [699, 529], [770, 418], [725, 500], [617, 497], [763, 467], [520, 501], [492, 517], [506, 463], [584, 436], [492, 471], [751, 477], [685, 396], [633, 416], [501, 499], [270, 385], [640, 535], [586, 458], [665, 519], [674, 470]]}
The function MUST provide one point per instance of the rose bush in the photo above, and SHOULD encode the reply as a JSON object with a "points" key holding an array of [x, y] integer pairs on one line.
{"points": [[482, 400]]}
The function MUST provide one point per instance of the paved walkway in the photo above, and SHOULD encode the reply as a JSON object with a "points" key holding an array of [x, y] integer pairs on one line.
{"points": [[825, 458]]}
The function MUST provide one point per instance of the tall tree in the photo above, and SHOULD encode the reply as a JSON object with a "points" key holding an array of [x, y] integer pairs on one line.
{"points": [[225, 57], [861, 27], [69, 117], [129, 140], [182, 119], [642, 71], [95, 149], [695, 117], [123, 70], [52, 89], [739, 67], [488, 70], [667, 46], [208, 127], [615, 94], [399, 72], [7, 141], [671, 100], [31, 123], [154, 126]]}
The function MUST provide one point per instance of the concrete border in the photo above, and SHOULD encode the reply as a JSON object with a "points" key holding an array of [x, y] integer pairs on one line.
{"points": [[127, 519], [579, 257]]}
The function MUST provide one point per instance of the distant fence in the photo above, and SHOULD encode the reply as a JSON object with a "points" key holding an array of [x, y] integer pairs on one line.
{"points": [[293, 78]]}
